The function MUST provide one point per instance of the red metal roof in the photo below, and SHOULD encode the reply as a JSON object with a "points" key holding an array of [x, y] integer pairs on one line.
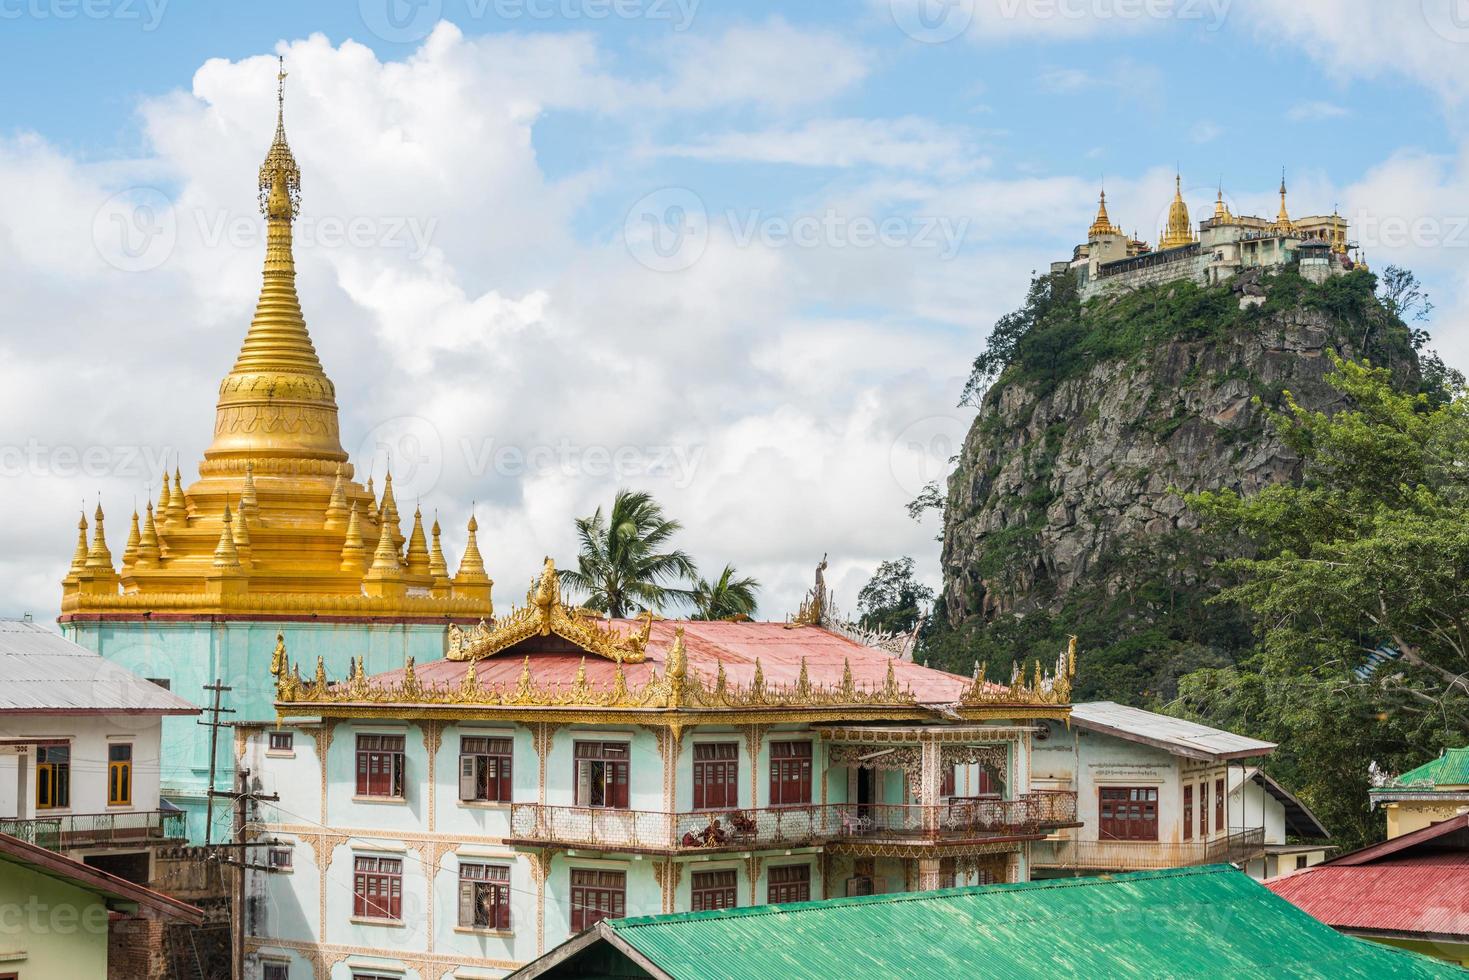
{"points": [[1414, 884], [778, 647]]}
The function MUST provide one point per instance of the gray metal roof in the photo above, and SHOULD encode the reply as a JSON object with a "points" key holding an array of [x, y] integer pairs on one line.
{"points": [[1171, 734], [42, 672]]}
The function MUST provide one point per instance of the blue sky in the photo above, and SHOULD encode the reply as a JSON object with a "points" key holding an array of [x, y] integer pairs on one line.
{"points": [[518, 166]]}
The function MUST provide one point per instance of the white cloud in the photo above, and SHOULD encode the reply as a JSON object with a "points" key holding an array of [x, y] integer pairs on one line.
{"points": [[1312, 111], [908, 143], [1205, 131]]}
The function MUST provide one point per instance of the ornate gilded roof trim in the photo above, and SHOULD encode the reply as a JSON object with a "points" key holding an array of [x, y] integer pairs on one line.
{"points": [[546, 613]]}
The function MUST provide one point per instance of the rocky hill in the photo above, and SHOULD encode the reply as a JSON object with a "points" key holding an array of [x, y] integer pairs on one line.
{"points": [[1067, 510]]}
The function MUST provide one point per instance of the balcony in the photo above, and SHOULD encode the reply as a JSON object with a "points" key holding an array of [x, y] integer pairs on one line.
{"points": [[124, 829], [1128, 855], [956, 822]]}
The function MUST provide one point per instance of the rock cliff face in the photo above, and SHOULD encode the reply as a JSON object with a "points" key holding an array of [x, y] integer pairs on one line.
{"points": [[1059, 478]]}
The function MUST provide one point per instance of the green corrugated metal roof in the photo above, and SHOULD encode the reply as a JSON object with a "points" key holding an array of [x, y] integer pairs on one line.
{"points": [[1451, 768], [1212, 921]]}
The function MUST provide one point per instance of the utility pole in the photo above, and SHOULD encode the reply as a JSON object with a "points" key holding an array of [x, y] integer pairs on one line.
{"points": [[214, 725], [242, 795]]}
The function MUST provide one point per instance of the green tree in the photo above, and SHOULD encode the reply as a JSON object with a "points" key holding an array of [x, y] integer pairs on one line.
{"points": [[726, 597], [1368, 555], [893, 599], [625, 563]]}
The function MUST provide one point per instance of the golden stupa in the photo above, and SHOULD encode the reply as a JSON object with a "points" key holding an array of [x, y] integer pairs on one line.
{"points": [[275, 524], [1180, 231]]}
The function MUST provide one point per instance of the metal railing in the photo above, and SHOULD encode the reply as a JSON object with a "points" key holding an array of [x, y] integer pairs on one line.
{"points": [[1130, 855], [97, 829], [651, 830]]}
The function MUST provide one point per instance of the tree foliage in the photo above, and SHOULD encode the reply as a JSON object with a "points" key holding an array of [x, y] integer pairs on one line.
{"points": [[1367, 558], [893, 599], [625, 562], [727, 597]]}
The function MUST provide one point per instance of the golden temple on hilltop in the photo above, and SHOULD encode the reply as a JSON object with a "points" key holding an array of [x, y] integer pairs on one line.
{"points": [[1222, 246], [275, 524]]}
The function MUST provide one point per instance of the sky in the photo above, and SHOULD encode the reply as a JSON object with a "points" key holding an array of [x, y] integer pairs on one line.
{"points": [[738, 254]]}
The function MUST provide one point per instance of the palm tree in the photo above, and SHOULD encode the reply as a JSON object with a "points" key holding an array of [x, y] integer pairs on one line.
{"points": [[726, 597], [622, 566]]}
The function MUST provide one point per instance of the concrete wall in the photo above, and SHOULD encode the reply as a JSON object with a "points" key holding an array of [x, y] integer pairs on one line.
{"points": [[49, 928], [90, 736]]}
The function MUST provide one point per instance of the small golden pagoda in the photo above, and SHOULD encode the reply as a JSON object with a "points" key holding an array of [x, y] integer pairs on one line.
{"points": [[1180, 230], [275, 524], [1102, 224]]}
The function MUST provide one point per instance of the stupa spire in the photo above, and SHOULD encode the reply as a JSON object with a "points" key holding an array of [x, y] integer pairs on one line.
{"points": [[437, 566], [336, 506], [79, 556], [149, 550], [418, 556], [98, 555], [277, 401], [225, 555], [135, 537], [472, 580], [354, 550]]}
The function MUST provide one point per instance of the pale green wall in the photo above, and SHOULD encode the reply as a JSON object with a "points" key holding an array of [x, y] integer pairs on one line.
{"points": [[192, 654], [62, 929]]}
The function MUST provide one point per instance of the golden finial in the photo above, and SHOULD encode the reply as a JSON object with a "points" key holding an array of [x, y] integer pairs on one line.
{"points": [[149, 548], [354, 550], [336, 505], [278, 662], [522, 685], [1102, 224], [372, 512], [280, 177], [849, 686], [242, 536], [1283, 223], [178, 504], [757, 684], [1179, 230], [388, 512], [225, 555], [386, 558], [130, 550], [472, 566], [890, 684], [163, 498], [79, 556], [418, 556], [437, 566], [98, 555]]}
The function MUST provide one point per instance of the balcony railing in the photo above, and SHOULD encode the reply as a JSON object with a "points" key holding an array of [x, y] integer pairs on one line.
{"points": [[97, 829], [647, 830], [1129, 855]]}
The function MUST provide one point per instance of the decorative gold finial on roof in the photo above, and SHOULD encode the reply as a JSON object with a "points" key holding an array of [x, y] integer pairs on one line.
{"points": [[280, 177], [178, 504], [1221, 210], [149, 548], [249, 504], [1283, 224], [354, 550], [130, 549], [1102, 225], [336, 506], [418, 556], [79, 556], [225, 555], [98, 555], [472, 566], [437, 566], [386, 558], [1179, 231]]}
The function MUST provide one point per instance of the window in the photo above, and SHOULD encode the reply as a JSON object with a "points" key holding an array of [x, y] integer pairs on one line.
{"points": [[275, 971], [380, 765], [790, 773], [601, 776], [1300, 861], [280, 857], [484, 896], [1188, 812], [1128, 813], [791, 883], [1203, 809], [119, 775], [484, 769], [714, 890], [282, 741], [377, 888], [1219, 800], [162, 682], [948, 873], [53, 776], [596, 895], [946, 788], [716, 775]]}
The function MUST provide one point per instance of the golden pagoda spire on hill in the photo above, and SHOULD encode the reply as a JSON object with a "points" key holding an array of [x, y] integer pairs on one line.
{"points": [[1102, 224], [1180, 230], [1283, 224]]}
